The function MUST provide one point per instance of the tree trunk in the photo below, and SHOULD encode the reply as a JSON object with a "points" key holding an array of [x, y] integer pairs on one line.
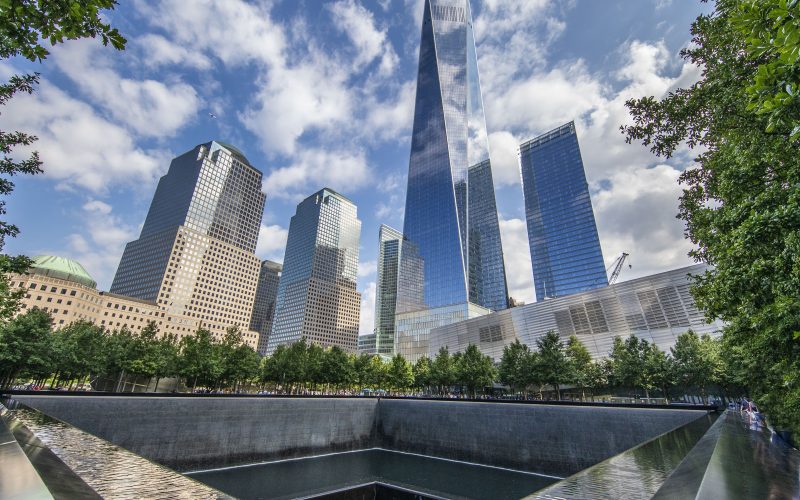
{"points": [[155, 389], [119, 381]]}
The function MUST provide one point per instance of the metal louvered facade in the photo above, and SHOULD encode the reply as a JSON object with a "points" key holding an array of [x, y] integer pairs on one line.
{"points": [[657, 308]]}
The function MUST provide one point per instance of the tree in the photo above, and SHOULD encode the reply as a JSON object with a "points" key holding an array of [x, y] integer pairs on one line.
{"points": [[659, 370], [27, 23], [474, 370], [534, 375], [580, 362], [597, 376], [627, 361], [400, 373], [442, 371], [422, 373], [168, 357], [199, 362], [771, 30], [238, 361], [361, 365], [143, 356], [514, 365], [741, 201], [78, 350], [553, 363], [377, 372], [336, 367], [694, 365], [24, 344]]}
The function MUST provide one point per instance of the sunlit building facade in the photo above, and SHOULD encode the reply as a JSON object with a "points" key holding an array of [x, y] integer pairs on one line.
{"points": [[317, 295], [562, 233], [63, 288], [195, 255], [456, 268]]}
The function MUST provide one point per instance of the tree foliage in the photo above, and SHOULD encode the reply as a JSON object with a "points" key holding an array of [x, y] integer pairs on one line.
{"points": [[741, 202], [28, 23]]}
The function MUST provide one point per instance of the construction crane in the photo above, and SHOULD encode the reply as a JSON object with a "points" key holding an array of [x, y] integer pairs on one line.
{"points": [[617, 265]]}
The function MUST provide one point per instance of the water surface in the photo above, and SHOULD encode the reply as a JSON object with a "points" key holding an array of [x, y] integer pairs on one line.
{"points": [[316, 475]]}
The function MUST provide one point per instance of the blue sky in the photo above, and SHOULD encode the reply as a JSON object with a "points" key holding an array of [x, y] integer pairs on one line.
{"points": [[321, 94]]}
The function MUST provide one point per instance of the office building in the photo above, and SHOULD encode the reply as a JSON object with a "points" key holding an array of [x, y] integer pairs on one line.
{"points": [[195, 255], [366, 344], [657, 308], [562, 234], [264, 305], [456, 269], [390, 242], [317, 295]]}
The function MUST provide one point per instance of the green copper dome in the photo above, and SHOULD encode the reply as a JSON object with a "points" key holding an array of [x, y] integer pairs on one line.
{"points": [[59, 267]]}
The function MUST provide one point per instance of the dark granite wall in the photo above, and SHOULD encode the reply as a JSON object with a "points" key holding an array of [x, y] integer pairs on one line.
{"points": [[196, 433], [557, 440]]}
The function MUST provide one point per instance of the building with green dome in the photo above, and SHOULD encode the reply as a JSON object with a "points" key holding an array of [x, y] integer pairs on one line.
{"points": [[63, 268]]}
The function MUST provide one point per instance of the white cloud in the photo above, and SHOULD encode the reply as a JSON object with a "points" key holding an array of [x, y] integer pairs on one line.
{"points": [[151, 108], [371, 43], [513, 39], [271, 242], [391, 119], [505, 161], [98, 247], [367, 319], [78, 147], [367, 269], [516, 253], [637, 215], [158, 51], [235, 32], [314, 169], [544, 100], [309, 96]]}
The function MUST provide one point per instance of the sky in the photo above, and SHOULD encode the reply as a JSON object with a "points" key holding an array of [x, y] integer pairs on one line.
{"points": [[321, 94]]}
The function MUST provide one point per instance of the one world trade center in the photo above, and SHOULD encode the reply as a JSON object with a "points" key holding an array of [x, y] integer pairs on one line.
{"points": [[451, 268]]}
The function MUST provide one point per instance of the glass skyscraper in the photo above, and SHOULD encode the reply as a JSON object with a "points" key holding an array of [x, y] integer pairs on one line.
{"points": [[390, 242], [456, 268], [565, 248], [264, 305], [317, 295], [195, 255]]}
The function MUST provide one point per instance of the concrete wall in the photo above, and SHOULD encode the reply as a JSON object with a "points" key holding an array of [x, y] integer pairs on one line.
{"points": [[196, 433]]}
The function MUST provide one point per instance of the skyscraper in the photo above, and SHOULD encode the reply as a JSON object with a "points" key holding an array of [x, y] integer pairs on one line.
{"points": [[317, 295], [390, 242], [450, 216], [565, 248], [195, 254], [264, 305]]}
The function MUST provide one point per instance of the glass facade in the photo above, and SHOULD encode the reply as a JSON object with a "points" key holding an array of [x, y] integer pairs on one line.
{"points": [[264, 304], [317, 296], [450, 216], [565, 248], [390, 243]]}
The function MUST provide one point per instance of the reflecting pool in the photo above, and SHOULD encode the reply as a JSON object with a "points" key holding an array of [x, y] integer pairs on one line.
{"points": [[315, 476]]}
